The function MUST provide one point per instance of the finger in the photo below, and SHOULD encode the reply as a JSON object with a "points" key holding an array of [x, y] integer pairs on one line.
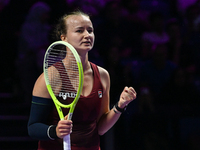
{"points": [[66, 117], [64, 130], [126, 89], [66, 127], [131, 94], [129, 90], [125, 93], [66, 122], [132, 89]]}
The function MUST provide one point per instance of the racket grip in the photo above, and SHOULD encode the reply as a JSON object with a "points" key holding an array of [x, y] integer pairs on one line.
{"points": [[67, 142]]}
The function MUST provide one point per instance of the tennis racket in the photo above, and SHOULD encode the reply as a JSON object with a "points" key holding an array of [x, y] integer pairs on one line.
{"points": [[63, 74]]}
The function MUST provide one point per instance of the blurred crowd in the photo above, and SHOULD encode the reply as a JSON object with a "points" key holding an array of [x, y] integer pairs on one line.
{"points": [[152, 45]]}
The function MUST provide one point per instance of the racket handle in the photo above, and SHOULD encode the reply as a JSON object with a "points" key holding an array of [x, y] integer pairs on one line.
{"points": [[67, 142]]}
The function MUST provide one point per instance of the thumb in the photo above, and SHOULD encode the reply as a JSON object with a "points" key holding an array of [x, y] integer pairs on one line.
{"points": [[126, 89], [66, 117]]}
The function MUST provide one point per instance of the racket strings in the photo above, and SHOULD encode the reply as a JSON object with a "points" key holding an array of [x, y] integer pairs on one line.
{"points": [[63, 71]]}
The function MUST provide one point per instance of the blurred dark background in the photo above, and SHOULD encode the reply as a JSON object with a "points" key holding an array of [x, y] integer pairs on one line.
{"points": [[152, 45]]}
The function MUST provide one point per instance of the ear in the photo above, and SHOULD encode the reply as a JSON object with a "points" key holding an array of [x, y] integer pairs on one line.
{"points": [[63, 37]]}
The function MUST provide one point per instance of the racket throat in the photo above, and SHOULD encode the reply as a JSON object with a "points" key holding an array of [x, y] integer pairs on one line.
{"points": [[70, 116]]}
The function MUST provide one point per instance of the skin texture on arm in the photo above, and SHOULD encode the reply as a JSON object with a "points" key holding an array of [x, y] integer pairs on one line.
{"points": [[104, 123], [64, 127], [107, 118], [40, 88]]}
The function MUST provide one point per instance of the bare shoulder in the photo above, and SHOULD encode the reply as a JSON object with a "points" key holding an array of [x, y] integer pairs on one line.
{"points": [[103, 73], [105, 78], [40, 88]]}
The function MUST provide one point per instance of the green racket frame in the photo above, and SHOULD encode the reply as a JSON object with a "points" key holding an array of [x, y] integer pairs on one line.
{"points": [[81, 78]]}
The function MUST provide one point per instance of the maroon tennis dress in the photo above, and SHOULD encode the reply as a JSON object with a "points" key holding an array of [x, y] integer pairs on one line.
{"points": [[84, 134]]}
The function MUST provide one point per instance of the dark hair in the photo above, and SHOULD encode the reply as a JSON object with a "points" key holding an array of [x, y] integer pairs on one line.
{"points": [[61, 27]]}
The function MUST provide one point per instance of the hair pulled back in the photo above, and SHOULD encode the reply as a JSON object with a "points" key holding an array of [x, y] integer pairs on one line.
{"points": [[61, 27]]}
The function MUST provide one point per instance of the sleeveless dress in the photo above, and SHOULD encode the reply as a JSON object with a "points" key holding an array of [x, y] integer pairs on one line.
{"points": [[84, 134]]}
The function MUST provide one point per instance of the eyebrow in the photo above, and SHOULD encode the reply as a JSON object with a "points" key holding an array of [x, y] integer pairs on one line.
{"points": [[83, 28]]}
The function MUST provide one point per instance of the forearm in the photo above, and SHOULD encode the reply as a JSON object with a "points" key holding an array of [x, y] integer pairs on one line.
{"points": [[37, 124], [108, 120], [38, 131]]}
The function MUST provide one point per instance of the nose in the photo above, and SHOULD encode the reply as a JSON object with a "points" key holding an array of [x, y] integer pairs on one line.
{"points": [[86, 34]]}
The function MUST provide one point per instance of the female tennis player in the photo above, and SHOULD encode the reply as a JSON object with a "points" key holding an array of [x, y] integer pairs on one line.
{"points": [[92, 116]]}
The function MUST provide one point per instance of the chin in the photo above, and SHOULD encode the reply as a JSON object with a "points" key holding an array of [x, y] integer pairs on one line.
{"points": [[86, 49]]}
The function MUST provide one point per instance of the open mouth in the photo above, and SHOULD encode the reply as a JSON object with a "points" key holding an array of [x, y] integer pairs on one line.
{"points": [[88, 43]]}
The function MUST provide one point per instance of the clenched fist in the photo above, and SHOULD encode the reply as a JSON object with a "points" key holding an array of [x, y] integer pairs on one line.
{"points": [[127, 95]]}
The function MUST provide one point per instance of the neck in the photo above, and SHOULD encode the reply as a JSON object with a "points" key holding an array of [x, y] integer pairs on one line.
{"points": [[85, 62]]}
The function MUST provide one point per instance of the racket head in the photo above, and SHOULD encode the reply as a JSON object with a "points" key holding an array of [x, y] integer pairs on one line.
{"points": [[63, 74]]}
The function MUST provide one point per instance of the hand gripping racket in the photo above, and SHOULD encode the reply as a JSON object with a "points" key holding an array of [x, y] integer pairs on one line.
{"points": [[63, 74]]}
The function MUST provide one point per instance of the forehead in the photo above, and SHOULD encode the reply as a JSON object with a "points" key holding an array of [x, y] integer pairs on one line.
{"points": [[78, 21]]}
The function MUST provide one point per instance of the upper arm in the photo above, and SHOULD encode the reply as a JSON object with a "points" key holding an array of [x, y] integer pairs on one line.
{"points": [[40, 88], [105, 80], [40, 109]]}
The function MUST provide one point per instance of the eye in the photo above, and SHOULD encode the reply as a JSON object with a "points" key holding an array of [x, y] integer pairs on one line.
{"points": [[90, 31], [79, 31]]}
